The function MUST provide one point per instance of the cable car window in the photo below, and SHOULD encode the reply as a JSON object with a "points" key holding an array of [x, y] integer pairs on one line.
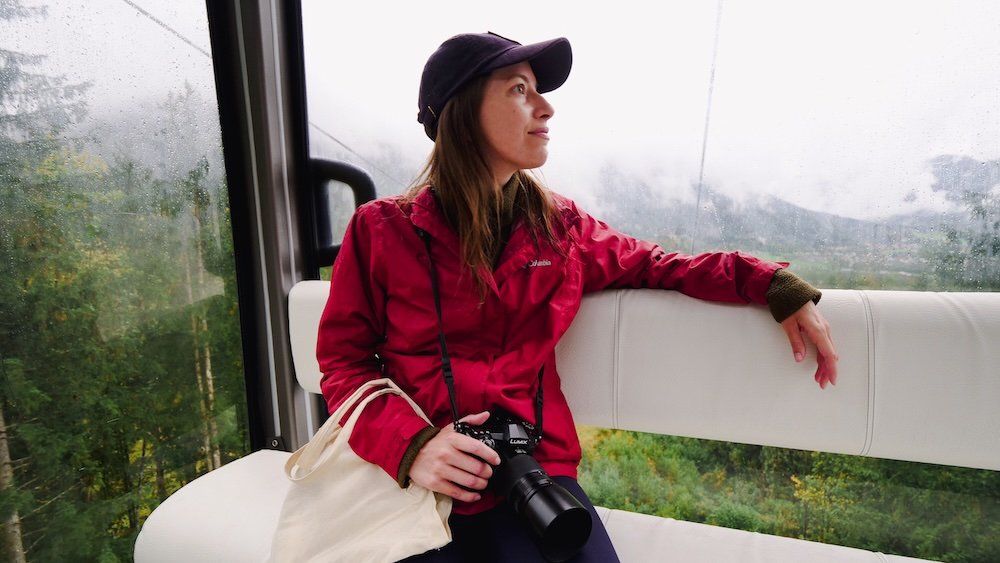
{"points": [[339, 199], [859, 141], [120, 357]]}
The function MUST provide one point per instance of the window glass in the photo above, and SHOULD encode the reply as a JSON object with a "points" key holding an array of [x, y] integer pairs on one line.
{"points": [[858, 141], [121, 372]]}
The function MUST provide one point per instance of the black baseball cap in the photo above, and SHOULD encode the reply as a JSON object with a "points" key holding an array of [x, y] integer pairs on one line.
{"points": [[464, 57]]}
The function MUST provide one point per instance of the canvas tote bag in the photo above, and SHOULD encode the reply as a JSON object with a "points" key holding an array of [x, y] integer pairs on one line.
{"points": [[342, 508]]}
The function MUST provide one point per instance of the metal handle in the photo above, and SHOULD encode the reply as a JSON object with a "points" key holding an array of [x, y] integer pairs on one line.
{"points": [[325, 248]]}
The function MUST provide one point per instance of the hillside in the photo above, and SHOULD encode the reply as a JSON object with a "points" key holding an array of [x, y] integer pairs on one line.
{"points": [[832, 250]]}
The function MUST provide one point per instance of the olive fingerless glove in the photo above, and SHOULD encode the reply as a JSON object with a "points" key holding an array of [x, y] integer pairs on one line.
{"points": [[788, 293]]}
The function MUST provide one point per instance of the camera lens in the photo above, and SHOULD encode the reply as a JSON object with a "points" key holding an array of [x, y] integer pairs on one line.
{"points": [[559, 521]]}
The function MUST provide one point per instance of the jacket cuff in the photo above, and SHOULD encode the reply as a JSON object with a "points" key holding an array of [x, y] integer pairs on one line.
{"points": [[410, 455], [788, 293]]}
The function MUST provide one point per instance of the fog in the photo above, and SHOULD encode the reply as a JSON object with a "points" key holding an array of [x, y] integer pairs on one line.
{"points": [[126, 55], [834, 106]]}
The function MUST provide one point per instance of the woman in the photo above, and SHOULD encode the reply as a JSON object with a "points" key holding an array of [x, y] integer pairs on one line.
{"points": [[513, 261]]}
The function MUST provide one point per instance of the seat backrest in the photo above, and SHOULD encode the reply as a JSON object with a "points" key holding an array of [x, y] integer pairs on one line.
{"points": [[919, 372]]}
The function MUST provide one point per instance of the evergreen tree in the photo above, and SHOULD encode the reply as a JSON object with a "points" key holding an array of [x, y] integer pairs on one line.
{"points": [[33, 106], [969, 255], [120, 359]]}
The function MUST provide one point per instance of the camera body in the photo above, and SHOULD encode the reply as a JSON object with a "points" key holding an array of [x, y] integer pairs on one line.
{"points": [[505, 434], [559, 522]]}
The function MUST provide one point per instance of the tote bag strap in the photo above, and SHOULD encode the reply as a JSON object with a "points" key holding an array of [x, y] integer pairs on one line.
{"points": [[356, 397], [304, 460], [384, 382]]}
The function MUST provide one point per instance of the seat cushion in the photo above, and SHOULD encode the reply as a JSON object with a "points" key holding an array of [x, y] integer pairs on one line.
{"points": [[229, 515], [641, 538], [225, 515]]}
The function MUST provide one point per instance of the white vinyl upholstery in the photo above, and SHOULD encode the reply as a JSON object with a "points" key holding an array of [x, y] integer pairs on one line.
{"points": [[649, 539], [305, 306], [919, 380], [919, 374], [919, 371], [936, 375], [226, 515], [686, 367]]}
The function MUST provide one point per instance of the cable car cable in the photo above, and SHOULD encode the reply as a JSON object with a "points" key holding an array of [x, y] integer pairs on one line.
{"points": [[708, 113], [192, 44]]}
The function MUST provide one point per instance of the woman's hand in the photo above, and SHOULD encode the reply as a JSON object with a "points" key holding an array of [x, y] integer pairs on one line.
{"points": [[809, 321], [455, 464]]}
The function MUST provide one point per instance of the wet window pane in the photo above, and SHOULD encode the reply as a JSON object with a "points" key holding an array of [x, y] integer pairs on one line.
{"points": [[121, 372], [858, 140]]}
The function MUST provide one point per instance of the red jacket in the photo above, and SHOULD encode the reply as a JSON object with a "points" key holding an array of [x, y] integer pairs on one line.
{"points": [[380, 319]]}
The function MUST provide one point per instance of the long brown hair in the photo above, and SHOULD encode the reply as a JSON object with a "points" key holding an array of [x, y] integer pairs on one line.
{"points": [[466, 189]]}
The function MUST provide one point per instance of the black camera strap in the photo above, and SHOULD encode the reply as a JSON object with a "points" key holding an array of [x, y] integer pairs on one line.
{"points": [[449, 376]]}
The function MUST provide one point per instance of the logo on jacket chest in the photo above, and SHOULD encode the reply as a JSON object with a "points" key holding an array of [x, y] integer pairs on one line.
{"points": [[538, 263]]}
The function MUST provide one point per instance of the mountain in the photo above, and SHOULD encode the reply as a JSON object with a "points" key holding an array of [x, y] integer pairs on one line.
{"points": [[834, 251]]}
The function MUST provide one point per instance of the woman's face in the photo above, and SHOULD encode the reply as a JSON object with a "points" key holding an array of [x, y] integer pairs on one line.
{"points": [[514, 119]]}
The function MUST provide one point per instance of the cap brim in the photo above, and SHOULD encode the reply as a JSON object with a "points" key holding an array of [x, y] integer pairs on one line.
{"points": [[550, 60]]}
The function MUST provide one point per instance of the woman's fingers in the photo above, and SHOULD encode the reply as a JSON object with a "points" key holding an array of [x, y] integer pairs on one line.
{"points": [[434, 469], [455, 464], [818, 330], [450, 488], [476, 419], [810, 321], [454, 482], [472, 446], [826, 371], [468, 455], [794, 334]]}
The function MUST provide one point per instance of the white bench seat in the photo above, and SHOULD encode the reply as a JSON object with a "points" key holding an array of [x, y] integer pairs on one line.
{"points": [[228, 515], [918, 381], [225, 515]]}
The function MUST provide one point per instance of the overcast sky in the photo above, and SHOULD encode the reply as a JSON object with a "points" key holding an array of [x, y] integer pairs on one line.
{"points": [[833, 105], [124, 53]]}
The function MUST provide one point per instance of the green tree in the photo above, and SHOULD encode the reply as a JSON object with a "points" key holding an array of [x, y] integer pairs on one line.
{"points": [[109, 295], [32, 106], [968, 257], [120, 358], [921, 510], [59, 378]]}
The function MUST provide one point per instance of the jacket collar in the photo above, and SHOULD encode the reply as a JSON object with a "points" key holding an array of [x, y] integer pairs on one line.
{"points": [[426, 214]]}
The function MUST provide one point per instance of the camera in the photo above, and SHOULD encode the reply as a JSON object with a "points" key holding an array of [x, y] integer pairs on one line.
{"points": [[559, 522]]}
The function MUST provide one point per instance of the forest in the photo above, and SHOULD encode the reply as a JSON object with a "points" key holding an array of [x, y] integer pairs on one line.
{"points": [[918, 510], [895, 507], [121, 375]]}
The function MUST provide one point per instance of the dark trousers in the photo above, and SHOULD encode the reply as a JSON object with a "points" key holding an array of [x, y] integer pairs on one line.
{"points": [[498, 536]]}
